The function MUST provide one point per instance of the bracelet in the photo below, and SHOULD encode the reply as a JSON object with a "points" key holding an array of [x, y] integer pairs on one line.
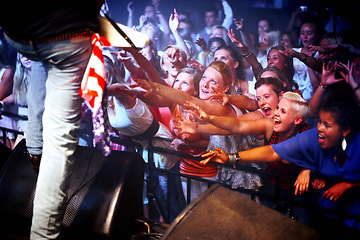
{"points": [[246, 55], [234, 159], [322, 86], [357, 88]]}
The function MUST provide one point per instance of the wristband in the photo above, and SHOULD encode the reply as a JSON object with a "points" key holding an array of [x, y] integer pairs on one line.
{"points": [[246, 55]]}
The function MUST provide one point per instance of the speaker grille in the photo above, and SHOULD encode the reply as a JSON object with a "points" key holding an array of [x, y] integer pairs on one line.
{"points": [[221, 213]]}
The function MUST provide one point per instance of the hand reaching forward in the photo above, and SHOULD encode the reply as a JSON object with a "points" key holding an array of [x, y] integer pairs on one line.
{"points": [[196, 111], [220, 96], [218, 155], [150, 87], [186, 126]]}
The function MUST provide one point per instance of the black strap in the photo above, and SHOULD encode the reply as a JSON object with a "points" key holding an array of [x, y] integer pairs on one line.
{"points": [[149, 133]]}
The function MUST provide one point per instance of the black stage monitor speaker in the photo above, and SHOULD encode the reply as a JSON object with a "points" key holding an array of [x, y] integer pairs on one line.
{"points": [[221, 213], [105, 194]]}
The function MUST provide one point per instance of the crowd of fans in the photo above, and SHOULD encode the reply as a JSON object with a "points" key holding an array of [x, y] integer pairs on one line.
{"points": [[224, 89]]}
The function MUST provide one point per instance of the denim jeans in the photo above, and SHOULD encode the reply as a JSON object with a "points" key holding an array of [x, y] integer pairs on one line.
{"points": [[65, 63], [36, 99]]}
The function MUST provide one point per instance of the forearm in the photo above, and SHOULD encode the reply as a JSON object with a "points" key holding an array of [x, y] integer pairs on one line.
{"points": [[181, 43], [260, 154], [314, 79], [255, 65], [245, 36], [229, 124], [130, 23], [211, 129], [164, 24], [152, 74], [172, 95], [228, 12], [238, 126], [154, 100], [243, 102], [315, 101], [311, 62]]}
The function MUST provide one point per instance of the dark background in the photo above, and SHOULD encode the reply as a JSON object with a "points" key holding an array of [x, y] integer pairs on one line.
{"points": [[348, 10]]}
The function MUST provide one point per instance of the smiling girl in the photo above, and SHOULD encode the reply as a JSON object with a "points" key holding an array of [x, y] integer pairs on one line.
{"points": [[333, 150]]}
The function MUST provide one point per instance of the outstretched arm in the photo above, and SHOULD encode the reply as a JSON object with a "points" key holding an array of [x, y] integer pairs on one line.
{"points": [[179, 97], [174, 25], [151, 72], [259, 154], [246, 53], [231, 124], [239, 101], [327, 78], [245, 36]]}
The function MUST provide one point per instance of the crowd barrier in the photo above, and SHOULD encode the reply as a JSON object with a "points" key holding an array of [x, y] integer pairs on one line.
{"points": [[152, 171]]}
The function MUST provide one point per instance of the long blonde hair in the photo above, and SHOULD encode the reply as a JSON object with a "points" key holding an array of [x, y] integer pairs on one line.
{"points": [[21, 82]]}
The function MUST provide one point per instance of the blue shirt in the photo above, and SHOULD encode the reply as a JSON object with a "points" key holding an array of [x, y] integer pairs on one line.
{"points": [[304, 150]]}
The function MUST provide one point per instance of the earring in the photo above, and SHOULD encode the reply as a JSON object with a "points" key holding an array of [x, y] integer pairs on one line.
{"points": [[343, 144]]}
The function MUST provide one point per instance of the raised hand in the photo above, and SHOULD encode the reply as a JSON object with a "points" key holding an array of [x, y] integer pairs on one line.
{"points": [[348, 74], [196, 111], [184, 125], [234, 39], [130, 8], [328, 74], [239, 24], [201, 43], [218, 155], [174, 21]]}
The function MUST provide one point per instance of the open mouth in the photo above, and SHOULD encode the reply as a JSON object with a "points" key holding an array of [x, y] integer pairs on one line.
{"points": [[267, 111], [277, 121], [321, 138]]}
